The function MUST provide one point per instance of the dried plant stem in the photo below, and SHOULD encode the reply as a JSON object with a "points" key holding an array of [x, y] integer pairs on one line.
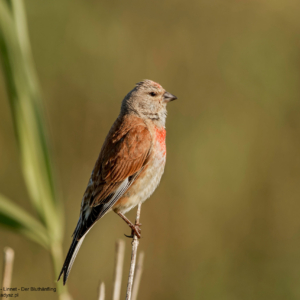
{"points": [[138, 275], [135, 243], [120, 251], [8, 261], [101, 291]]}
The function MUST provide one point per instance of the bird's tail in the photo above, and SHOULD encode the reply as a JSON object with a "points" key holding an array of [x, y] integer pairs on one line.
{"points": [[72, 253], [80, 232]]}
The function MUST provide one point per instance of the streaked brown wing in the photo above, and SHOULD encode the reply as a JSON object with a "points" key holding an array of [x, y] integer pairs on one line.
{"points": [[125, 151]]}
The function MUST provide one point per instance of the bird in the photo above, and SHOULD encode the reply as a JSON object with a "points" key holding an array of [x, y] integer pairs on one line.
{"points": [[130, 164]]}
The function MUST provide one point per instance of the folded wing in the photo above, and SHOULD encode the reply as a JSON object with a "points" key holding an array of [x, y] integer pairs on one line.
{"points": [[124, 154]]}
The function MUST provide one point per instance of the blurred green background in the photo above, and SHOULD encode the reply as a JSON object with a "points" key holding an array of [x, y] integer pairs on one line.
{"points": [[224, 222]]}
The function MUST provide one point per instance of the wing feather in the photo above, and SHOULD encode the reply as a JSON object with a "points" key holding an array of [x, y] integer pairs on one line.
{"points": [[124, 153]]}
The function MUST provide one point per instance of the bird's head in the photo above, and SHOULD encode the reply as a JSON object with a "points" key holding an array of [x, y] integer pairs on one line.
{"points": [[149, 100]]}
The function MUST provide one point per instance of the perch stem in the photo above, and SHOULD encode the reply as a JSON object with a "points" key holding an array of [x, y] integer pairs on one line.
{"points": [[135, 243], [138, 275]]}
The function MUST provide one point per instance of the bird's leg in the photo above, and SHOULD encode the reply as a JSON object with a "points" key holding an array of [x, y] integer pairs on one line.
{"points": [[135, 229]]}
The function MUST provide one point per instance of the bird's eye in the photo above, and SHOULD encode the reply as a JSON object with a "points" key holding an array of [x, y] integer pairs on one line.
{"points": [[152, 94]]}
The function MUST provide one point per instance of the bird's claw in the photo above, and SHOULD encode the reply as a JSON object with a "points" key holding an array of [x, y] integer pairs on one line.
{"points": [[135, 230]]}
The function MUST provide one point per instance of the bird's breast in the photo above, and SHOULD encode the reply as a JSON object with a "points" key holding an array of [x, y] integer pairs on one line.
{"points": [[160, 134], [150, 177]]}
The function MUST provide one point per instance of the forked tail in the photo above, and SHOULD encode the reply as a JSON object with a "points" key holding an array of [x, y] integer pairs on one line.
{"points": [[80, 232], [72, 253]]}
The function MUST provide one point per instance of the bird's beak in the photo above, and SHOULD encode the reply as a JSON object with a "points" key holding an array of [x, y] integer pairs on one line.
{"points": [[169, 97]]}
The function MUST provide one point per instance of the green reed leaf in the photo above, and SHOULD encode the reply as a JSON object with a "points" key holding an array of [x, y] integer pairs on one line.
{"points": [[17, 219], [27, 113]]}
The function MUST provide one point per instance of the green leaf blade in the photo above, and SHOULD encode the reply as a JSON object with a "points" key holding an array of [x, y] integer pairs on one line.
{"points": [[17, 219]]}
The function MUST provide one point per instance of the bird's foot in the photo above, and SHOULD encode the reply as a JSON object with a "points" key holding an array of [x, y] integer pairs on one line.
{"points": [[135, 230]]}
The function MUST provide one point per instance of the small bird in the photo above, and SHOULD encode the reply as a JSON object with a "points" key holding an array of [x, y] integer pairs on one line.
{"points": [[130, 164]]}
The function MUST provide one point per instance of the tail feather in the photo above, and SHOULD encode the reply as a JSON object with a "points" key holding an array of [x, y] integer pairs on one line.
{"points": [[80, 232], [72, 253]]}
